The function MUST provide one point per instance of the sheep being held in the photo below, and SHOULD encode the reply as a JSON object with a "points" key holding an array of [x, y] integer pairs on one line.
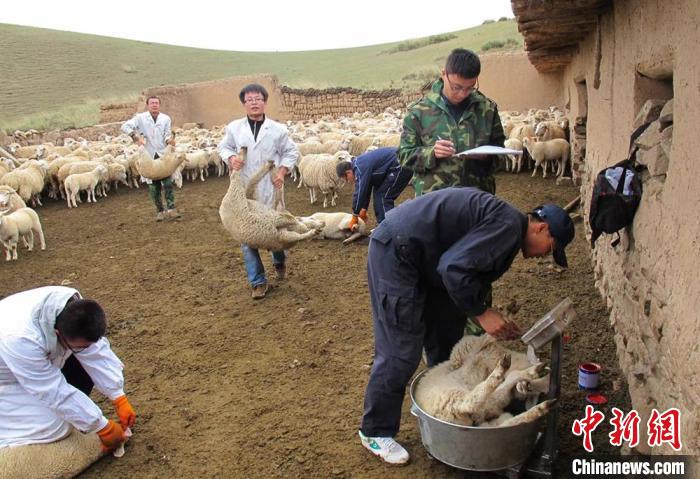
{"points": [[255, 224]]}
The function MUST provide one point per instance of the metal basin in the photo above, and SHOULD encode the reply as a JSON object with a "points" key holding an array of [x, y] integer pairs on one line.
{"points": [[474, 448]]}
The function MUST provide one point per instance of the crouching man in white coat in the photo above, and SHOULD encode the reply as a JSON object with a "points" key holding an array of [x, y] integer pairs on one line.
{"points": [[52, 351], [266, 140]]}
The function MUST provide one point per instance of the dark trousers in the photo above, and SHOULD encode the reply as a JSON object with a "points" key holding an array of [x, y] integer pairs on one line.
{"points": [[407, 315], [386, 192], [76, 375], [165, 186]]}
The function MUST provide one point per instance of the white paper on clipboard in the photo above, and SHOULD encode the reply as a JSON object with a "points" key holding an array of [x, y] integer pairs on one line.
{"points": [[489, 150]]}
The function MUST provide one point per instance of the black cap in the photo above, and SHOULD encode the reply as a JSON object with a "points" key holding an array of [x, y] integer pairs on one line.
{"points": [[561, 227]]}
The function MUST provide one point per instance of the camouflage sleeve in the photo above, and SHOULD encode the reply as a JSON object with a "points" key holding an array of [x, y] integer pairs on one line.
{"points": [[412, 153], [497, 138], [497, 134]]}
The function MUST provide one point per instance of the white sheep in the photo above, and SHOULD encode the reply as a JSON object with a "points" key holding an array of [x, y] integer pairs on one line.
{"points": [[336, 226], [514, 163], [319, 171], [72, 168], [543, 151], [27, 180], [161, 168], [116, 173], [521, 132], [196, 164], [466, 390], [24, 223], [78, 182], [549, 130], [67, 457], [255, 224], [9, 200]]}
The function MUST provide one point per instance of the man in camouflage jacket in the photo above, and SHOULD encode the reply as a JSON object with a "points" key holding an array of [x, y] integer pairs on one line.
{"points": [[451, 118]]}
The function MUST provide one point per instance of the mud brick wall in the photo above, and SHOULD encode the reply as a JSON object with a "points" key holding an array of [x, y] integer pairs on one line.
{"points": [[313, 104], [645, 55], [115, 112]]}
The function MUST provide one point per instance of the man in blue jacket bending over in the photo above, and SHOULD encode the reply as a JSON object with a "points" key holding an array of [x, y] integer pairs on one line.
{"points": [[428, 268], [378, 173]]}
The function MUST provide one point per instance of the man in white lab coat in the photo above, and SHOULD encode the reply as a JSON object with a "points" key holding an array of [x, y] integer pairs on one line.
{"points": [[266, 140], [52, 351], [152, 129]]}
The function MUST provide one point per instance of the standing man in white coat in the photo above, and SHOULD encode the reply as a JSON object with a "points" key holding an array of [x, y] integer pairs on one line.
{"points": [[52, 352], [266, 140], [154, 129]]}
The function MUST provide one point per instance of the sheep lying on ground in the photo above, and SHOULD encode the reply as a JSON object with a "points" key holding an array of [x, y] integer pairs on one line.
{"points": [[255, 224], [468, 390], [25, 223], [9, 200], [61, 459], [336, 226], [78, 182], [543, 151]]}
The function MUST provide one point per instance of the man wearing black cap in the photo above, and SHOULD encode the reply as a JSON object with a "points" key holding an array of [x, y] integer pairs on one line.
{"points": [[429, 265]]}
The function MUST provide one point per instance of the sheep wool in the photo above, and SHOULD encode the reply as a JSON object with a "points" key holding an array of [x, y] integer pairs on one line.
{"points": [[61, 459], [161, 168], [255, 224]]}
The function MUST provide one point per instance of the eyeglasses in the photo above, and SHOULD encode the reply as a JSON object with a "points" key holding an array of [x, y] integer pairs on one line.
{"points": [[251, 101], [461, 89], [65, 344]]}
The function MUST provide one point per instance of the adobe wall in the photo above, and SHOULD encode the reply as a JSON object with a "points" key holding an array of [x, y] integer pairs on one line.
{"points": [[509, 79], [650, 280], [212, 102]]}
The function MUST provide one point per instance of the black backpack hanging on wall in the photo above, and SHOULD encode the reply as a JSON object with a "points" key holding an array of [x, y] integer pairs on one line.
{"points": [[617, 192]]}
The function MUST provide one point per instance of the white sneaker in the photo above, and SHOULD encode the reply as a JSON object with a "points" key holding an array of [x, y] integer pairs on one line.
{"points": [[386, 448]]}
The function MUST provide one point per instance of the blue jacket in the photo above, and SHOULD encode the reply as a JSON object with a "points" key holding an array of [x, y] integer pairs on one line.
{"points": [[370, 169], [457, 239]]}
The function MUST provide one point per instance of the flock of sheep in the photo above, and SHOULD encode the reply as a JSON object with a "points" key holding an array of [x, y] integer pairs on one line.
{"points": [[31, 172]]}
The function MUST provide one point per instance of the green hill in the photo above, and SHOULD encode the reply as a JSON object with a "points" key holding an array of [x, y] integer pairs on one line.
{"points": [[58, 79]]}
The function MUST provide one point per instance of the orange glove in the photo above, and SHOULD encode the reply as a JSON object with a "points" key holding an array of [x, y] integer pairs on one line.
{"points": [[363, 215], [112, 435], [127, 415], [352, 226]]}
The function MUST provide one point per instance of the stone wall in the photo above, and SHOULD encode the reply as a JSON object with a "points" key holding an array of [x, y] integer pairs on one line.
{"points": [[115, 112], [337, 102], [646, 51]]}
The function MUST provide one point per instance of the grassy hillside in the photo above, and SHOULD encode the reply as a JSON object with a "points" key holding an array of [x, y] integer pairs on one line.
{"points": [[58, 79]]}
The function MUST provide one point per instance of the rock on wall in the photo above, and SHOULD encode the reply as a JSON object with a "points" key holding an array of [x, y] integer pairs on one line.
{"points": [[336, 102], [115, 112], [648, 54]]}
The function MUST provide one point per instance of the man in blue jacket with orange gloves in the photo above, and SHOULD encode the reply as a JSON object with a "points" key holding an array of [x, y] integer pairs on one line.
{"points": [[374, 173]]}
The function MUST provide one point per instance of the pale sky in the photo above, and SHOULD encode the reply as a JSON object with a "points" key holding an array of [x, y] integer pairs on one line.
{"points": [[264, 25]]}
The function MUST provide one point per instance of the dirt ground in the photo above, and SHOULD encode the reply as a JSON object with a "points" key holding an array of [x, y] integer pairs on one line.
{"points": [[230, 387]]}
